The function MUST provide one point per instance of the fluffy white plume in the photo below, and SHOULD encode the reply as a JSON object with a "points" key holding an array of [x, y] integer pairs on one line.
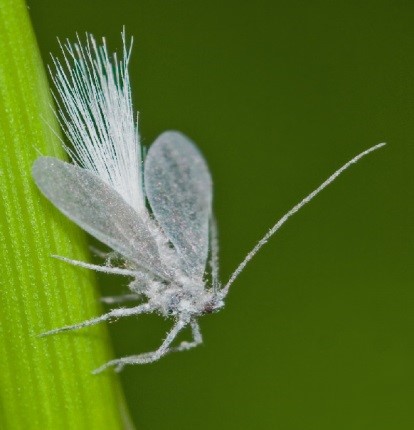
{"points": [[96, 114]]}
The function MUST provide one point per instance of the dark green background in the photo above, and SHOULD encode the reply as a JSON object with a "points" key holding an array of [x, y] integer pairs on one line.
{"points": [[318, 331]]}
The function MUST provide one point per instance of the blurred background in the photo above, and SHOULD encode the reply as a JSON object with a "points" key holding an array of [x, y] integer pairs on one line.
{"points": [[317, 332]]}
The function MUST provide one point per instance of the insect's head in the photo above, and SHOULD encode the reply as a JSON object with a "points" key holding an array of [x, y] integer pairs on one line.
{"points": [[188, 299], [214, 304]]}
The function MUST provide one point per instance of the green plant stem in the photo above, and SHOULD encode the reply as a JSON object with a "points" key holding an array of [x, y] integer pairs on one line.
{"points": [[45, 383]]}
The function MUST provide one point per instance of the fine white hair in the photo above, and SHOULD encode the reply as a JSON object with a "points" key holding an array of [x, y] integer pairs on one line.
{"points": [[96, 114]]}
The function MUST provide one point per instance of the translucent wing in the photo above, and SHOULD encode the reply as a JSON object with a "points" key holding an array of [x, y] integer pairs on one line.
{"points": [[99, 210], [179, 189]]}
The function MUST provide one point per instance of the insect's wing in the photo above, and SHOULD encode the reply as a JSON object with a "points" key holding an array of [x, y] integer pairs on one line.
{"points": [[98, 209], [179, 189]]}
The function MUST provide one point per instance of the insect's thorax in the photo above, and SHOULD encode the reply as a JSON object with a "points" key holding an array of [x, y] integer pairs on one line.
{"points": [[188, 298]]}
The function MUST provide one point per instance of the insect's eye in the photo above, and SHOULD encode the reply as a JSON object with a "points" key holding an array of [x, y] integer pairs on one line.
{"points": [[208, 309]]}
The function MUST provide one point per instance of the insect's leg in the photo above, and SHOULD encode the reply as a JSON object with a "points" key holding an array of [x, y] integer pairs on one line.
{"points": [[110, 300], [111, 256], [106, 269], [197, 339], [106, 256], [115, 313], [98, 252], [147, 357]]}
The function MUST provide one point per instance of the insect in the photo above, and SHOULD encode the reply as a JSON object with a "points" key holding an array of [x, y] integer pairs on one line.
{"points": [[154, 212]]}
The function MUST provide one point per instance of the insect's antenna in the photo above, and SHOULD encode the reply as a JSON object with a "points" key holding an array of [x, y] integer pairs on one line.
{"points": [[285, 217]]}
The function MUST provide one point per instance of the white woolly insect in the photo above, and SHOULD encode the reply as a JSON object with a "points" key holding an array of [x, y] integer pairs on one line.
{"points": [[155, 215]]}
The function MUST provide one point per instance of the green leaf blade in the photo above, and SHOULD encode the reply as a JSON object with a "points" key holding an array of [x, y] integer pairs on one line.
{"points": [[44, 382]]}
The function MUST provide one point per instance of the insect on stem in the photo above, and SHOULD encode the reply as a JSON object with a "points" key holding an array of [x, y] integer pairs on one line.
{"points": [[164, 233]]}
